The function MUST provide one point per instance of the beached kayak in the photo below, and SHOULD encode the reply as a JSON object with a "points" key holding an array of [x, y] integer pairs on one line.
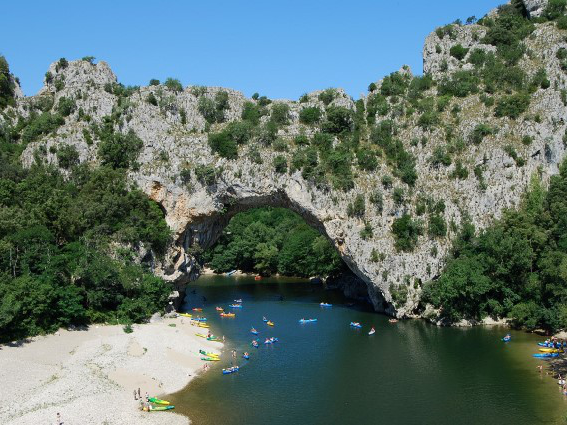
{"points": [[210, 359], [230, 273], [546, 355], [158, 401], [203, 352], [161, 408], [326, 305], [214, 338], [551, 350], [205, 336], [230, 370], [203, 325], [185, 314], [200, 319], [355, 325], [307, 320]]}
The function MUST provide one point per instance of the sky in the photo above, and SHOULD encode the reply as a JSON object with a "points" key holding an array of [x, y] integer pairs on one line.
{"points": [[280, 49]]}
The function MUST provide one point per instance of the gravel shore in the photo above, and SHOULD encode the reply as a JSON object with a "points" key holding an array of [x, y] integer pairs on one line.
{"points": [[89, 376]]}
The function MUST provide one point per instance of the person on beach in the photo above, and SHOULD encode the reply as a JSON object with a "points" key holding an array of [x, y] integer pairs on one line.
{"points": [[139, 393], [135, 395], [59, 419], [147, 397], [223, 339], [540, 368]]}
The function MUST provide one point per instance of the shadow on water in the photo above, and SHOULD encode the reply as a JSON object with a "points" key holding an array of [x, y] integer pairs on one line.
{"points": [[326, 372]]}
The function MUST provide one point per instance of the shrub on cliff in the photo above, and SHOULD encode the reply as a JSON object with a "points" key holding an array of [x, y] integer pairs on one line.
{"points": [[406, 232], [458, 51], [118, 150], [310, 115], [67, 156], [512, 106]]}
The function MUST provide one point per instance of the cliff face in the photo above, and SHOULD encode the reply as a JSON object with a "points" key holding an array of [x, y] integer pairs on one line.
{"points": [[174, 133]]}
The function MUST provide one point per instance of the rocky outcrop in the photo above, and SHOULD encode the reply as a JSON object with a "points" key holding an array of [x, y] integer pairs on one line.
{"points": [[174, 134]]}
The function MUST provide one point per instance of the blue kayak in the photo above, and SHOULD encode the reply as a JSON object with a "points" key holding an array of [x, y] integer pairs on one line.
{"points": [[326, 305], [546, 355], [235, 306], [307, 320], [355, 325], [230, 370]]}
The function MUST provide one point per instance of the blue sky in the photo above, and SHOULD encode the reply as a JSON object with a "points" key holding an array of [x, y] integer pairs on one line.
{"points": [[277, 48]]}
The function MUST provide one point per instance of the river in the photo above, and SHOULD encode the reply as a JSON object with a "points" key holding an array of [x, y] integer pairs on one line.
{"points": [[326, 372]]}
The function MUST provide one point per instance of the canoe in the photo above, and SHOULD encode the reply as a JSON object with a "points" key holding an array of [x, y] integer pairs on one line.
{"points": [[161, 408], [307, 320], [205, 336], [356, 325], [235, 306], [546, 355], [210, 359], [158, 401], [551, 350], [227, 315], [230, 273], [203, 325], [230, 370], [326, 305], [185, 314], [269, 323]]}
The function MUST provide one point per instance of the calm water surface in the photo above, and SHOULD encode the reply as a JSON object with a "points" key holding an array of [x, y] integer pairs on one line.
{"points": [[327, 373]]}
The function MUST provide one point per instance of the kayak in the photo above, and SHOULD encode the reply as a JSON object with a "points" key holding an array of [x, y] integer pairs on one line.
{"points": [[239, 301], [506, 338], [269, 323], [264, 320], [227, 315], [235, 306], [372, 332], [258, 277], [158, 401], [356, 325], [203, 325], [254, 331], [210, 359], [219, 309], [203, 352], [245, 356], [326, 305], [202, 335], [185, 314], [307, 320], [197, 309], [551, 350], [161, 408], [230, 273], [214, 338], [200, 319], [546, 355], [230, 370]]}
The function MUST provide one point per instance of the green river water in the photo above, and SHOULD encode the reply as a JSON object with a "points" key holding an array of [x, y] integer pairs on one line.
{"points": [[410, 372]]}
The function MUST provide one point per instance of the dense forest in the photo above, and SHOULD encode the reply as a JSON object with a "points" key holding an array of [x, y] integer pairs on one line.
{"points": [[273, 240], [516, 268], [67, 238]]}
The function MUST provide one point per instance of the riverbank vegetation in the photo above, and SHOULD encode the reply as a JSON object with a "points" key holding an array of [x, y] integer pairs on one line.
{"points": [[67, 245], [516, 268], [273, 240]]}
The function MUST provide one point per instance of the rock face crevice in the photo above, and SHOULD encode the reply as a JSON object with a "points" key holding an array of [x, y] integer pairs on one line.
{"points": [[174, 133]]}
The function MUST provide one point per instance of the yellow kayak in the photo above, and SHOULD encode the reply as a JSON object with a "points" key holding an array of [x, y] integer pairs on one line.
{"points": [[210, 359], [550, 350], [270, 323], [227, 314], [202, 335], [185, 314], [203, 325]]}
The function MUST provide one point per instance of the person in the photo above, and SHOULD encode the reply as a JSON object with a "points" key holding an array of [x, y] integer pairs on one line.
{"points": [[139, 393], [59, 419], [208, 334], [234, 354], [135, 395], [372, 330], [147, 397], [540, 368], [223, 338]]}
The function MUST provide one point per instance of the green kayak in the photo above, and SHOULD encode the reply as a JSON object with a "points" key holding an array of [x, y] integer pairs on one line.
{"points": [[158, 401], [159, 408]]}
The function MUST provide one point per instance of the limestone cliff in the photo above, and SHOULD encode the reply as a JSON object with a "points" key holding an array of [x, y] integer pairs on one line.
{"points": [[175, 133]]}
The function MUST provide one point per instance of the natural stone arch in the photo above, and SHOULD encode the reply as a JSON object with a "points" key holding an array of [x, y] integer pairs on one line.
{"points": [[204, 231]]}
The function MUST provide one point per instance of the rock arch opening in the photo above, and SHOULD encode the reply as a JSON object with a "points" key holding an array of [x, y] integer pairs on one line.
{"points": [[203, 232]]}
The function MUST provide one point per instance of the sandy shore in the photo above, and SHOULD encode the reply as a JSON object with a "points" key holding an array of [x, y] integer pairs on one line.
{"points": [[89, 376]]}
